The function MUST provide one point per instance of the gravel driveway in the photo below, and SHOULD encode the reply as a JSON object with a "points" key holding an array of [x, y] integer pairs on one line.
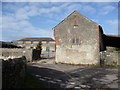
{"points": [[70, 76]]}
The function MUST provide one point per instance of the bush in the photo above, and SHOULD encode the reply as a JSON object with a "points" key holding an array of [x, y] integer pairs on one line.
{"points": [[39, 46], [117, 49]]}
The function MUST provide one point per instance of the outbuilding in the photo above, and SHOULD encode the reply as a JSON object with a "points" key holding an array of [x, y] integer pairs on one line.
{"points": [[79, 40]]}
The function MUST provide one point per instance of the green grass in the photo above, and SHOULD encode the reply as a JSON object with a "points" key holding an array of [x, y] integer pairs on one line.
{"points": [[44, 61], [31, 82], [117, 66]]}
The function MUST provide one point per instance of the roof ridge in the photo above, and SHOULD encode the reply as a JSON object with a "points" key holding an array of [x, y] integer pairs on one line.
{"points": [[112, 35], [37, 38]]}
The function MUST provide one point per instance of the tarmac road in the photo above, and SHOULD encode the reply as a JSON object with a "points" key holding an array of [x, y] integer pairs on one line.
{"points": [[70, 76]]}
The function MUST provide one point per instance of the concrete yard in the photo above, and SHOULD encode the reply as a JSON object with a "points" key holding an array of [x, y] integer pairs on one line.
{"points": [[70, 76]]}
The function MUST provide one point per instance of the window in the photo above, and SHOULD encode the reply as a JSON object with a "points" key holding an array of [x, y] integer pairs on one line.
{"points": [[75, 16], [75, 22], [23, 42], [47, 48], [31, 42], [75, 41]]}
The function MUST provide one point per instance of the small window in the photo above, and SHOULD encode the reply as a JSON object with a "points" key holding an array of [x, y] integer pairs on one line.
{"points": [[75, 22], [47, 48], [75, 41], [75, 16], [31, 42]]}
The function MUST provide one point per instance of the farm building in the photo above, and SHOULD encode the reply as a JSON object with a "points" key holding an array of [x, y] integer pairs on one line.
{"points": [[78, 40], [31, 43]]}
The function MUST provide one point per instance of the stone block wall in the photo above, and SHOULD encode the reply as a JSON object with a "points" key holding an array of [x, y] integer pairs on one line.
{"points": [[110, 58], [77, 44], [48, 54], [16, 53], [13, 72]]}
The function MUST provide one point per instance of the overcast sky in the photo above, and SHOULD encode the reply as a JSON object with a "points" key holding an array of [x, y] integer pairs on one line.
{"points": [[36, 19]]}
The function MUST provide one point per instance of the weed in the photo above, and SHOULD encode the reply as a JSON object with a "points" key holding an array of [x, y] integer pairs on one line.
{"points": [[44, 61]]}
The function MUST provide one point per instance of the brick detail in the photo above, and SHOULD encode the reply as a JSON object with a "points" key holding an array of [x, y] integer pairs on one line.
{"points": [[57, 41], [98, 37], [76, 38], [54, 33], [77, 21]]}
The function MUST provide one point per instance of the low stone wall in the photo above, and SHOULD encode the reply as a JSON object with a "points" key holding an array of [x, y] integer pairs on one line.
{"points": [[13, 72], [16, 53], [46, 54], [110, 58]]}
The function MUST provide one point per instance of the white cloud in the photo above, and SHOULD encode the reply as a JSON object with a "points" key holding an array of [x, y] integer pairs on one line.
{"points": [[113, 27], [22, 29], [95, 20], [106, 10], [17, 24], [88, 9], [21, 14], [112, 22], [61, 1], [18, 20], [34, 10]]}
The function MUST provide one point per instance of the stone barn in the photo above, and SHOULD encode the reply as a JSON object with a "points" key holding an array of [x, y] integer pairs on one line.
{"points": [[31, 43], [78, 40]]}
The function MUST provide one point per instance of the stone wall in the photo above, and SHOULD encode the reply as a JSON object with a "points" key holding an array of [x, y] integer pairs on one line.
{"points": [[13, 72], [30, 54], [15, 53], [87, 32], [48, 54], [110, 58]]}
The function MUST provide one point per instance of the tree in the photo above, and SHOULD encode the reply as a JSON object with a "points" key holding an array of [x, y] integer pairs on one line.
{"points": [[39, 46], [37, 51]]}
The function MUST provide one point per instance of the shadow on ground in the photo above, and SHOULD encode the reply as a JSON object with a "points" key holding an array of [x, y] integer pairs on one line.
{"points": [[49, 78], [85, 77]]}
